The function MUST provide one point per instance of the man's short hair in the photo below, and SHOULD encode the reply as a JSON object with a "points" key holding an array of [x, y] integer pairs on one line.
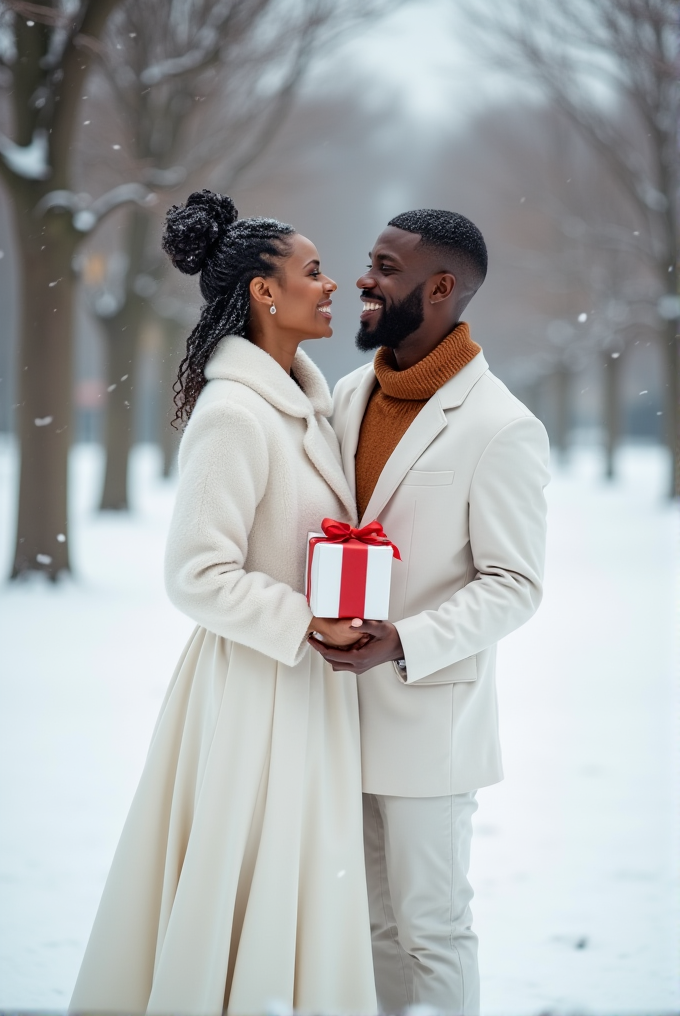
{"points": [[449, 232]]}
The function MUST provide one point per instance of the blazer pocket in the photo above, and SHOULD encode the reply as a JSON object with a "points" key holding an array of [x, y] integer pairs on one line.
{"points": [[425, 478], [463, 672]]}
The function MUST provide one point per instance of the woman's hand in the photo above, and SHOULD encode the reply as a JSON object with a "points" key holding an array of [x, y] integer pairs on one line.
{"points": [[340, 631], [382, 644]]}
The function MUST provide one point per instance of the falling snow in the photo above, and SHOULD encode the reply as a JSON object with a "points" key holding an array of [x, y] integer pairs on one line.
{"points": [[574, 859]]}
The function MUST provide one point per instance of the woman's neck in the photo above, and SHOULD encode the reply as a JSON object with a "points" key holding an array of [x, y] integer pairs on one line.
{"points": [[281, 348]]}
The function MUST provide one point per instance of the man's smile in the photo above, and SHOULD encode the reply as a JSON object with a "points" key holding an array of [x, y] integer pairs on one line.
{"points": [[370, 307]]}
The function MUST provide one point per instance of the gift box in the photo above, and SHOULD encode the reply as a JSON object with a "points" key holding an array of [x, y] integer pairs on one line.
{"points": [[349, 571]]}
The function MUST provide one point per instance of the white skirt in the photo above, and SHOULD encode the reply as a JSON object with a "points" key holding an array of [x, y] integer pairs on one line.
{"points": [[239, 882]]}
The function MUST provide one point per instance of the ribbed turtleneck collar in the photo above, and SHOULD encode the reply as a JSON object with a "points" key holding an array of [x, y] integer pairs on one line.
{"points": [[428, 375]]}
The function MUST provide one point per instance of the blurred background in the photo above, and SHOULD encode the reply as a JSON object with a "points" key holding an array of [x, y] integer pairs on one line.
{"points": [[554, 126]]}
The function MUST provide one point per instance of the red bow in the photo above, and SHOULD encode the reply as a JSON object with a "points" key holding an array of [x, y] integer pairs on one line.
{"points": [[372, 534]]}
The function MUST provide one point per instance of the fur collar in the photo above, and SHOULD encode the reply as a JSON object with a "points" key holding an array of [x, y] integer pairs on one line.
{"points": [[237, 359]]}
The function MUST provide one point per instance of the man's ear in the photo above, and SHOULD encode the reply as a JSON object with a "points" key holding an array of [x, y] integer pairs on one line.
{"points": [[260, 291], [441, 287]]}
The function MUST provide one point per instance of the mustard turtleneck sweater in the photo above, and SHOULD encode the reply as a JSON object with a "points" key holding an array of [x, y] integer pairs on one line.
{"points": [[396, 400]]}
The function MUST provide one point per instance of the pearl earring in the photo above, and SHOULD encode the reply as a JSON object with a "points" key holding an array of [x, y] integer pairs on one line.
{"points": [[272, 309]]}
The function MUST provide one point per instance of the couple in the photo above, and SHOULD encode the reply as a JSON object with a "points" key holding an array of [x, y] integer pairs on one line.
{"points": [[247, 876]]}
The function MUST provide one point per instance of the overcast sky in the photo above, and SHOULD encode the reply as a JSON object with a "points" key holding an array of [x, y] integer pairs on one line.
{"points": [[423, 57]]}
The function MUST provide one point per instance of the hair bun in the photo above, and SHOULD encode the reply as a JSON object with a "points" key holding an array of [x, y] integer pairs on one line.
{"points": [[192, 230]]}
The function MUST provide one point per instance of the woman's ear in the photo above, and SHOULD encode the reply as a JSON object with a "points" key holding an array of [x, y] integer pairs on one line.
{"points": [[260, 291]]}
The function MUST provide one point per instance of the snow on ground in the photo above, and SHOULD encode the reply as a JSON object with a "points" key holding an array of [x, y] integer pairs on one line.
{"points": [[575, 854]]}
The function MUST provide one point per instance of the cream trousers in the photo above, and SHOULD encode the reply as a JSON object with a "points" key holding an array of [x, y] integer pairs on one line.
{"points": [[417, 859]]}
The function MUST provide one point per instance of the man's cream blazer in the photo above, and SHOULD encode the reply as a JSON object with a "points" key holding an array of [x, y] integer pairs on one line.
{"points": [[462, 497]]}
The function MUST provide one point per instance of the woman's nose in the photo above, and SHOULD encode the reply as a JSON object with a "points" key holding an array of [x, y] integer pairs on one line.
{"points": [[331, 286]]}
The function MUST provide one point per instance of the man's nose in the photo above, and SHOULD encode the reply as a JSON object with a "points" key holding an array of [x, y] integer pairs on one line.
{"points": [[365, 282]]}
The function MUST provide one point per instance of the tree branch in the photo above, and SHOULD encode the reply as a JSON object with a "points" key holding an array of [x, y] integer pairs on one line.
{"points": [[87, 213]]}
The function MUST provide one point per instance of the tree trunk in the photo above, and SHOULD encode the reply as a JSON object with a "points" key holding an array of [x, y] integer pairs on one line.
{"points": [[562, 410], [122, 332], [174, 341], [611, 368], [671, 403], [45, 366], [121, 351]]}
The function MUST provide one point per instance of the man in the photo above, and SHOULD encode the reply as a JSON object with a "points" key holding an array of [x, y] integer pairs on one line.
{"points": [[454, 468]]}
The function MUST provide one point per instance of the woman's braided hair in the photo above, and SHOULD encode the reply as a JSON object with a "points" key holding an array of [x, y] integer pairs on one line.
{"points": [[205, 235]]}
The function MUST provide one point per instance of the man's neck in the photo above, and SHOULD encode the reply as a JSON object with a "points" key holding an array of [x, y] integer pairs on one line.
{"points": [[417, 346]]}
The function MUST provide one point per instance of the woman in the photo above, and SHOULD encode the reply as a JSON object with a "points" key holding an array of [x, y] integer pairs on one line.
{"points": [[239, 882]]}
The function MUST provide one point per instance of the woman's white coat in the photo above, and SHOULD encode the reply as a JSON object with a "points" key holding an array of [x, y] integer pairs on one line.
{"points": [[239, 878]]}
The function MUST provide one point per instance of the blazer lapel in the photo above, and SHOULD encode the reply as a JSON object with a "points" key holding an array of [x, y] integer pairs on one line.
{"points": [[456, 390], [429, 422], [355, 417]]}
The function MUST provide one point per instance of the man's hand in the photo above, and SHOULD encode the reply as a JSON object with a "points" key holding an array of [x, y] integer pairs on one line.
{"points": [[382, 645]]}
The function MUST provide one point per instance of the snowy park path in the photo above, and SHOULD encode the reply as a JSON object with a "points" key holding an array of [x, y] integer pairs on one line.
{"points": [[575, 854]]}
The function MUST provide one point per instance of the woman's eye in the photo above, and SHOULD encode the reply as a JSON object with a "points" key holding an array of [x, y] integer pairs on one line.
{"points": [[315, 272]]}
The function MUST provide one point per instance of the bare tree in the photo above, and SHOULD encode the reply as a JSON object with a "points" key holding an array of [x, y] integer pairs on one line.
{"points": [[567, 287], [611, 66], [46, 50], [197, 86], [594, 254]]}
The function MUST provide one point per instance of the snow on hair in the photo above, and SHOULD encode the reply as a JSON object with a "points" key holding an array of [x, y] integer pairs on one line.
{"points": [[205, 235], [192, 231]]}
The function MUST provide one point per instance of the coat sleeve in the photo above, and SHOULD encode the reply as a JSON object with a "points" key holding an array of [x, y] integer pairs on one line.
{"points": [[507, 523], [223, 476]]}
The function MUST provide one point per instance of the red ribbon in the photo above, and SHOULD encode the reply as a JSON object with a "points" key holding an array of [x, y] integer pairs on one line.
{"points": [[354, 560], [373, 534]]}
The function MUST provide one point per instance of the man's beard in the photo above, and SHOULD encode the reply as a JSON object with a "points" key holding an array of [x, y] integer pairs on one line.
{"points": [[396, 323]]}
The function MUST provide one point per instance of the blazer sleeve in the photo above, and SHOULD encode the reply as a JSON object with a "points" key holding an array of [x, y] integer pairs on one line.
{"points": [[223, 475], [507, 523]]}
